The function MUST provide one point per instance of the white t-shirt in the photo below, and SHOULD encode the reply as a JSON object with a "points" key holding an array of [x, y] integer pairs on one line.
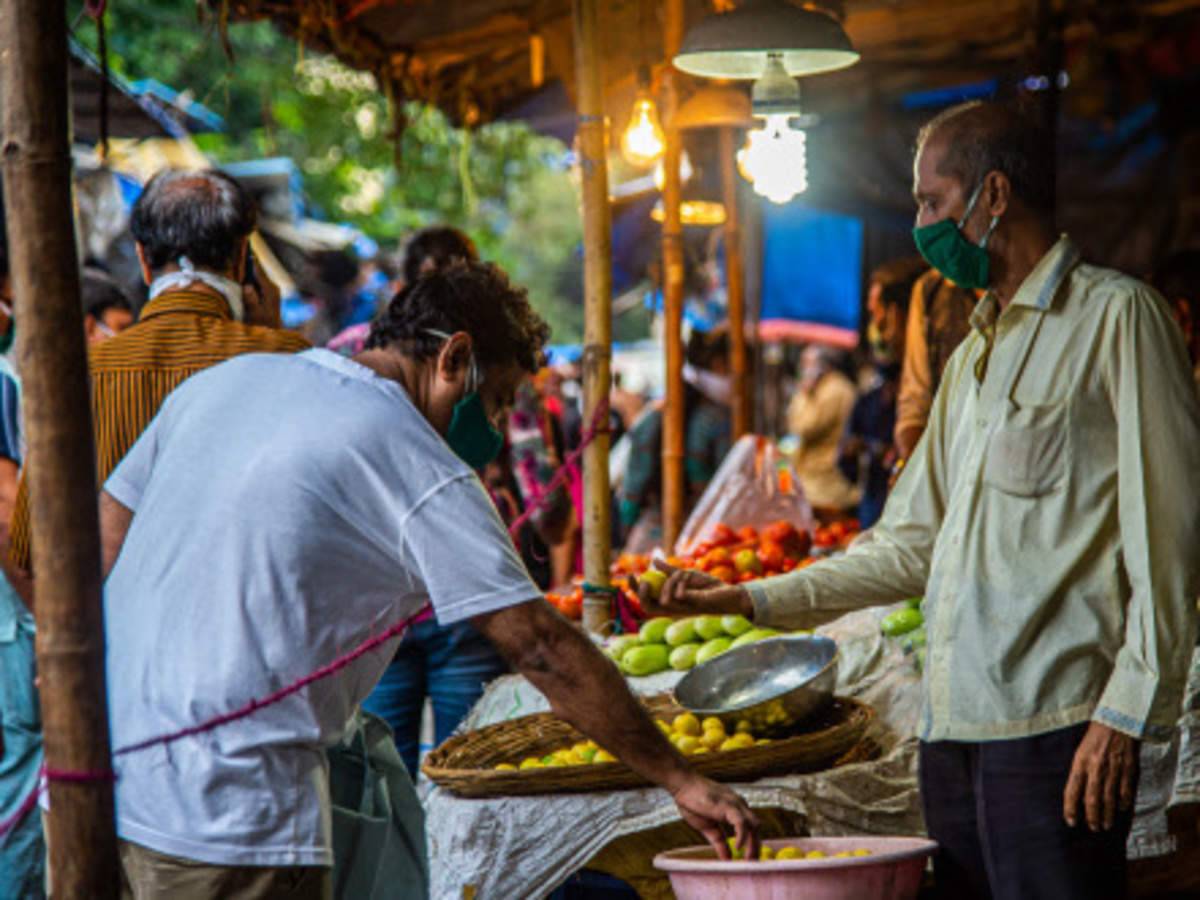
{"points": [[287, 508]]}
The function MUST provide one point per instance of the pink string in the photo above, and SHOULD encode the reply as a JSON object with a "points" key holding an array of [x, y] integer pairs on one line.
{"points": [[597, 426], [66, 775]]}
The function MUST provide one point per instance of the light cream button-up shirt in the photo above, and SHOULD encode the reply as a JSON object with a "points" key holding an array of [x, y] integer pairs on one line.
{"points": [[1050, 516]]}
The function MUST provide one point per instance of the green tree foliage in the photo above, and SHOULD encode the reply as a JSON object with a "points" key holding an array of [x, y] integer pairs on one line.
{"points": [[503, 183]]}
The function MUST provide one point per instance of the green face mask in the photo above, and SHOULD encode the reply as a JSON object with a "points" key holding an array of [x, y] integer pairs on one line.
{"points": [[6, 340], [948, 250], [471, 434]]}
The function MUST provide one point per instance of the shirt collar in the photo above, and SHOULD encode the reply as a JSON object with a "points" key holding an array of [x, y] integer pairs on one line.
{"points": [[198, 303], [1039, 288]]}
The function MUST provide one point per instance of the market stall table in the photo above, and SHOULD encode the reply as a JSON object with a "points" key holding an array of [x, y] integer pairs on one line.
{"points": [[526, 846]]}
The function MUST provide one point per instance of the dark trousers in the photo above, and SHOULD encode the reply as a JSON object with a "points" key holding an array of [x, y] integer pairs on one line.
{"points": [[996, 810]]}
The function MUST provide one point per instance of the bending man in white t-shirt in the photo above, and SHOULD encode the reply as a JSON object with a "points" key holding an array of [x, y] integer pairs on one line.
{"points": [[279, 511]]}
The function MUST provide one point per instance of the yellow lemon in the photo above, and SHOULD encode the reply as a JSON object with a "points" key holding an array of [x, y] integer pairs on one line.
{"points": [[712, 722], [734, 852], [531, 763], [861, 852], [845, 854], [686, 723], [713, 739], [743, 727], [700, 748], [766, 853], [588, 754], [814, 854], [687, 744], [506, 767], [738, 742], [788, 853], [762, 741], [603, 756], [663, 727]]}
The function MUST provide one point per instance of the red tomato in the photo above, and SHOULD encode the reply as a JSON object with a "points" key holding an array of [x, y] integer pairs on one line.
{"points": [[725, 573], [771, 554], [722, 534], [748, 533], [748, 576], [779, 532]]}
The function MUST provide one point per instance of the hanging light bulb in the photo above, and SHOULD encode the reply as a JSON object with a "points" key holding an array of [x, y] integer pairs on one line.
{"points": [[775, 160], [643, 142], [685, 171]]}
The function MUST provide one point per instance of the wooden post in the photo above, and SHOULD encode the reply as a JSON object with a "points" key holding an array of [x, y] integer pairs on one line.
{"points": [[673, 485], [743, 418], [597, 329], [58, 425]]}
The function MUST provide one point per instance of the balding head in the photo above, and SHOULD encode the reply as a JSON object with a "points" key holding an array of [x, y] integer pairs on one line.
{"points": [[973, 139], [203, 215]]}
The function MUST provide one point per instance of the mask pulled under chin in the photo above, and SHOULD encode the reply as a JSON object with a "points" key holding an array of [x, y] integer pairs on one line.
{"points": [[188, 275], [947, 249]]}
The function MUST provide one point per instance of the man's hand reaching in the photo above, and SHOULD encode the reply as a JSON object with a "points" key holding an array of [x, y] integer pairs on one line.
{"points": [[710, 808], [687, 592]]}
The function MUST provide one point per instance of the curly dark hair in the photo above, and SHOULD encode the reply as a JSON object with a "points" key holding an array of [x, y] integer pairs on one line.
{"points": [[474, 297]]}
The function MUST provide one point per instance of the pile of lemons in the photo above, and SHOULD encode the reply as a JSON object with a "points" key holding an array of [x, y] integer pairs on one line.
{"points": [[689, 735], [585, 753], [786, 853], [693, 737]]}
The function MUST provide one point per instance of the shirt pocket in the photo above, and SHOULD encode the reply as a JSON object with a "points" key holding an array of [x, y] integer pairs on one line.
{"points": [[1029, 453]]}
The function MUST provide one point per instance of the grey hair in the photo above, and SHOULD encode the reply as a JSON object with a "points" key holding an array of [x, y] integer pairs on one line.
{"points": [[984, 137], [204, 215]]}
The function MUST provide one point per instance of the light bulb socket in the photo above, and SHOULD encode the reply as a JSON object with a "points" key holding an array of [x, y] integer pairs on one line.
{"points": [[776, 92]]}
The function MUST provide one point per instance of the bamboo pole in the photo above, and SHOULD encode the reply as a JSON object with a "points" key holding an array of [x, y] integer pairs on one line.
{"points": [[673, 486], [736, 286], [53, 364], [597, 331]]}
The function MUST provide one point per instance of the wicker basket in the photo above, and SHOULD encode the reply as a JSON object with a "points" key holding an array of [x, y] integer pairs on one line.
{"points": [[465, 764]]}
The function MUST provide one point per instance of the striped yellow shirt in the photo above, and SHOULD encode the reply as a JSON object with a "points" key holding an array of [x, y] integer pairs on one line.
{"points": [[178, 334]]}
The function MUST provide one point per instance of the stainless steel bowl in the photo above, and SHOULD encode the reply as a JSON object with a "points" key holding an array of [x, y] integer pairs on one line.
{"points": [[773, 684]]}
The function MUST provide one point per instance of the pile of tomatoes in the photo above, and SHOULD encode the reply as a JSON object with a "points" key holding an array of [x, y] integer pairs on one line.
{"points": [[732, 555]]}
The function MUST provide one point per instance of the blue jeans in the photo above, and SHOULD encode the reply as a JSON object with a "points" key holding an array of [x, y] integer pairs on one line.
{"points": [[448, 664], [22, 851]]}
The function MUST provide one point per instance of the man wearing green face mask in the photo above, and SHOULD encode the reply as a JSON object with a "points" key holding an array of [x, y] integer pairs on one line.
{"points": [[1049, 516]]}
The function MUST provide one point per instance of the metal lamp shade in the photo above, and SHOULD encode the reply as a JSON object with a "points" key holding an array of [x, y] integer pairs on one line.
{"points": [[737, 44], [715, 107]]}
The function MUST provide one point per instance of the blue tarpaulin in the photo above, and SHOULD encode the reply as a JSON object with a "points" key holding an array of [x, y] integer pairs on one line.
{"points": [[812, 267]]}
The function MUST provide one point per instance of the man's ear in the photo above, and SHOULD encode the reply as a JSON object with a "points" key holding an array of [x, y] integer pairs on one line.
{"points": [[997, 193], [147, 273], [455, 356]]}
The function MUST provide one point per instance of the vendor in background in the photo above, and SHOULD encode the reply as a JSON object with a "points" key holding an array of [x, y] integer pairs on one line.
{"points": [[939, 317], [1178, 279], [355, 481], [867, 452], [817, 417], [707, 438], [106, 308], [451, 664], [1050, 518]]}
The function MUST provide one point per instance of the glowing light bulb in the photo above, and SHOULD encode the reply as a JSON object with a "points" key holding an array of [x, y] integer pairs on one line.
{"points": [[775, 160], [643, 142], [685, 171]]}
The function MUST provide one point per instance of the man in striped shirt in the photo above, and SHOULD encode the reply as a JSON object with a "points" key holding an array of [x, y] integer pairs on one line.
{"points": [[192, 230]]}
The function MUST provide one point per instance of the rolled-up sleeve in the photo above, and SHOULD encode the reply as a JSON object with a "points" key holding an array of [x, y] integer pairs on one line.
{"points": [[888, 563], [1158, 423]]}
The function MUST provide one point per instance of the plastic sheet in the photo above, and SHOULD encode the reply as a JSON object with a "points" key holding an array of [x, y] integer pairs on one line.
{"points": [[755, 485]]}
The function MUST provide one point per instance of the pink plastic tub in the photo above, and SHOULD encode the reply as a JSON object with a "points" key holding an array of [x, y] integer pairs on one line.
{"points": [[893, 871]]}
